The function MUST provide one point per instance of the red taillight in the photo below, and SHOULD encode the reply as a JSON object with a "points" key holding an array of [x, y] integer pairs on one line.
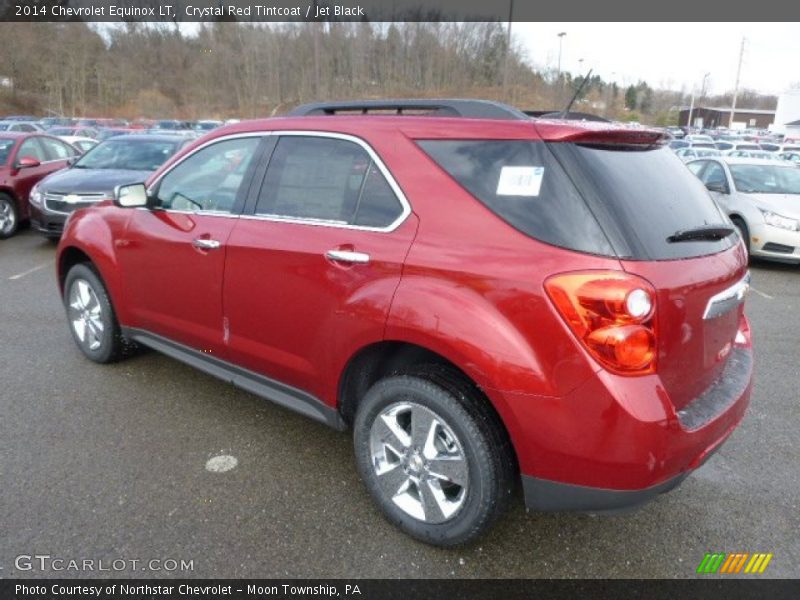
{"points": [[612, 314]]}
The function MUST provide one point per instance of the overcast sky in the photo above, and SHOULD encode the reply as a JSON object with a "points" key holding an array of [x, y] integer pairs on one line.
{"points": [[671, 55]]}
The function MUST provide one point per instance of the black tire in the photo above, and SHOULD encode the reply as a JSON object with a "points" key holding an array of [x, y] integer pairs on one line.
{"points": [[744, 232], [112, 346], [481, 439], [9, 216]]}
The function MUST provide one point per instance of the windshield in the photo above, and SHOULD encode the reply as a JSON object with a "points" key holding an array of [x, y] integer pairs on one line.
{"points": [[707, 152], [5, 149], [119, 153], [4, 126], [766, 179], [60, 130]]}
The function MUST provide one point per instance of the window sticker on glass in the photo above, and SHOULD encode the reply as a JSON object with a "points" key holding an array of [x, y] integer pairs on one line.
{"points": [[520, 181]]}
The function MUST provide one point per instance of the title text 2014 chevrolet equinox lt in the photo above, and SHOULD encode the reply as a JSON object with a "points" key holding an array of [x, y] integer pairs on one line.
{"points": [[480, 296]]}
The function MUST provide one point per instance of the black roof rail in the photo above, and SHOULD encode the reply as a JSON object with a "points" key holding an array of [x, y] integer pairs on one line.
{"points": [[470, 109]]}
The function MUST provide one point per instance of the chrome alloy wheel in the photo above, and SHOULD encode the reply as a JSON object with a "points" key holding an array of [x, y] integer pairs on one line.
{"points": [[419, 462], [85, 314], [8, 218]]}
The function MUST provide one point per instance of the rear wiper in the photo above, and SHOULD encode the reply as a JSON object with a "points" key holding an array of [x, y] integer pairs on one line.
{"points": [[704, 232]]}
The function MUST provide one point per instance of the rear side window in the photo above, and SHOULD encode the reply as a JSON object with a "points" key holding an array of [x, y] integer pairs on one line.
{"points": [[641, 197], [327, 179], [523, 184]]}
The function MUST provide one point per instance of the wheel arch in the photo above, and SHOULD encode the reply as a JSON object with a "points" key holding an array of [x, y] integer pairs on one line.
{"points": [[384, 358], [106, 268]]}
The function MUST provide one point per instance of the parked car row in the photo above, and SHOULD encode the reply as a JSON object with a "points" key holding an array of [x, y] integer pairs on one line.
{"points": [[96, 124], [44, 178], [693, 146]]}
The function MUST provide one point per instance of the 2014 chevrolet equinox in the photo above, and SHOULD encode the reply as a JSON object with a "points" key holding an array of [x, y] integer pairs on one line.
{"points": [[477, 294]]}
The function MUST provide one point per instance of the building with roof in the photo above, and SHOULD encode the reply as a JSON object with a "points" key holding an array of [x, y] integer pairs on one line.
{"points": [[787, 115], [711, 117]]}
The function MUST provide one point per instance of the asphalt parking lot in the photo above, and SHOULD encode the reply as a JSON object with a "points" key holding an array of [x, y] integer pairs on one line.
{"points": [[109, 462]]}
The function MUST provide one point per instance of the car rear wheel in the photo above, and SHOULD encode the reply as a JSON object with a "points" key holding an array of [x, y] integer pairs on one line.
{"points": [[91, 317], [432, 457], [9, 219]]}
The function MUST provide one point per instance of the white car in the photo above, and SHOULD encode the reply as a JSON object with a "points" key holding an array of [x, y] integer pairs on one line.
{"points": [[699, 138], [750, 154], [81, 143], [762, 199], [687, 154]]}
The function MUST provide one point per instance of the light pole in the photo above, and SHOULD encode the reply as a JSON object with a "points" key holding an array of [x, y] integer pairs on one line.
{"points": [[560, 44]]}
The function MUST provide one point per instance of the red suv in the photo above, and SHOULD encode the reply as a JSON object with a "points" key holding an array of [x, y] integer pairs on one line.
{"points": [[478, 295]]}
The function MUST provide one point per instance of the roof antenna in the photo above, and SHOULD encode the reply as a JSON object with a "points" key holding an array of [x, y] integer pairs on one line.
{"points": [[565, 112]]}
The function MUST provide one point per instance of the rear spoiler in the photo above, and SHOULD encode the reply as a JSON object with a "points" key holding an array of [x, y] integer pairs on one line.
{"points": [[603, 134]]}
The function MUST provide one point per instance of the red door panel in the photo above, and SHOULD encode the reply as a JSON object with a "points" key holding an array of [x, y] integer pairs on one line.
{"points": [[295, 314], [173, 278]]}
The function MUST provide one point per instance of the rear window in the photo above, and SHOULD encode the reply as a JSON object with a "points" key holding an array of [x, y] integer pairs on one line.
{"points": [[523, 184], [611, 201], [641, 197]]}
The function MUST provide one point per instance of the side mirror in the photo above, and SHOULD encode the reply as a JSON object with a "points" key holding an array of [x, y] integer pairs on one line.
{"points": [[133, 195], [27, 162], [716, 186]]}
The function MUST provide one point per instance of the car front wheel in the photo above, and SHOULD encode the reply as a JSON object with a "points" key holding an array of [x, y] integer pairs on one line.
{"points": [[9, 219], [744, 233], [431, 457], [91, 317]]}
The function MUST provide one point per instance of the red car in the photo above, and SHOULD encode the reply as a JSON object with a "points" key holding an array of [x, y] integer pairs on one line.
{"points": [[25, 158], [480, 296]]}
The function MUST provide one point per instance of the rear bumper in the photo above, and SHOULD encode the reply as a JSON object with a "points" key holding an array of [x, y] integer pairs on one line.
{"points": [[616, 443], [544, 495]]}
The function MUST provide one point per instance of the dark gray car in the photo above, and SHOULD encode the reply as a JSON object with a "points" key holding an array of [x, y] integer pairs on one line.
{"points": [[93, 177]]}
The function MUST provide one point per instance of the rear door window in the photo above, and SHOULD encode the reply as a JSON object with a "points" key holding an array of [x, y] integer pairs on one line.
{"points": [[327, 179], [523, 184]]}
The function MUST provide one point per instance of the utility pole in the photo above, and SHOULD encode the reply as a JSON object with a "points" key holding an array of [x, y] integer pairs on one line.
{"points": [[508, 49], [702, 95], [736, 87]]}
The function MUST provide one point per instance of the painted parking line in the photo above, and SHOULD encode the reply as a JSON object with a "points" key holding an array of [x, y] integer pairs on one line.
{"points": [[29, 271], [762, 294]]}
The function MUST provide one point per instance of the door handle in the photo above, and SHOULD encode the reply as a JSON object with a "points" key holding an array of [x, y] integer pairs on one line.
{"points": [[205, 244], [348, 256]]}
